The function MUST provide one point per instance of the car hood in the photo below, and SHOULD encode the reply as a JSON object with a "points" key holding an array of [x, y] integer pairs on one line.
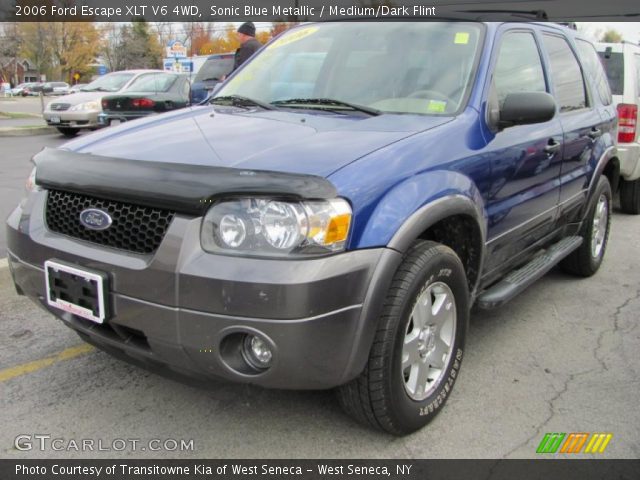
{"points": [[80, 97], [297, 142]]}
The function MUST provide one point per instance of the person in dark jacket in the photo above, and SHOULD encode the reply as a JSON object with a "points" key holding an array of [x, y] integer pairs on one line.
{"points": [[248, 43]]}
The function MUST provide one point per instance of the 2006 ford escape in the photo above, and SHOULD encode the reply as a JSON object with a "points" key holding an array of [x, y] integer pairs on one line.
{"points": [[329, 218]]}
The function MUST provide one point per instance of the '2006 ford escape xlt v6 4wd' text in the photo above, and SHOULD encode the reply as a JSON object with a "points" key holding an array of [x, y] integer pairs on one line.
{"points": [[330, 216]]}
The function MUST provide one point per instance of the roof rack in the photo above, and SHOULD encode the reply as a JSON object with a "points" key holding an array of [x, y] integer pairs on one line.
{"points": [[536, 14]]}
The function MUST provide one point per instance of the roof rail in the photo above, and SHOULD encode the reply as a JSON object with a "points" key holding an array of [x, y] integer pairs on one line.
{"points": [[536, 14]]}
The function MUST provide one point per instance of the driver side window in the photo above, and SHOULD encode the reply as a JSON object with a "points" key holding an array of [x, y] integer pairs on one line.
{"points": [[519, 67]]}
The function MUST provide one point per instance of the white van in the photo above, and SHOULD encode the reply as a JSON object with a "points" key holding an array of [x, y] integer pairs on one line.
{"points": [[622, 64]]}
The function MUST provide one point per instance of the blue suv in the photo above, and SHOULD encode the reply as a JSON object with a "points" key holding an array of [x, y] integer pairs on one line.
{"points": [[331, 215]]}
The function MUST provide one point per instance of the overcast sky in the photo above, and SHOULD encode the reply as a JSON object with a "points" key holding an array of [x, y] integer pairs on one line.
{"points": [[629, 30]]}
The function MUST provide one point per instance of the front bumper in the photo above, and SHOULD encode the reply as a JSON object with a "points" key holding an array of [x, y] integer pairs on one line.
{"points": [[105, 119], [176, 309], [69, 119]]}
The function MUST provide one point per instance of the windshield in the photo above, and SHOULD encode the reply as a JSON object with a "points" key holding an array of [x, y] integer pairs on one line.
{"points": [[214, 69], [155, 82], [109, 83], [403, 67]]}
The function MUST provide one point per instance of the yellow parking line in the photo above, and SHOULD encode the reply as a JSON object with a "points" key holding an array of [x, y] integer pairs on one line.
{"points": [[68, 354]]}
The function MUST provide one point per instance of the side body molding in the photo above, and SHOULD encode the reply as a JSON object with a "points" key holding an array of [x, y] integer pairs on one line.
{"points": [[607, 156], [432, 213]]}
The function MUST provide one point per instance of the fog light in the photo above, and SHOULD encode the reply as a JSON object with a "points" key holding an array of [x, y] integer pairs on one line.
{"points": [[257, 352]]}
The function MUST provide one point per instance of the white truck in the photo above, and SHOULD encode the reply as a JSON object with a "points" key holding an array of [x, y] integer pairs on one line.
{"points": [[622, 64]]}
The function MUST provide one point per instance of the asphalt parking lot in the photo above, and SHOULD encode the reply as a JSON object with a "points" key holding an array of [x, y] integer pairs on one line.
{"points": [[562, 357]]}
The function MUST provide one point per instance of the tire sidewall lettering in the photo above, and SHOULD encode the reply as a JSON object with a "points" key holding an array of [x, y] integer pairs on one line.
{"points": [[444, 273]]}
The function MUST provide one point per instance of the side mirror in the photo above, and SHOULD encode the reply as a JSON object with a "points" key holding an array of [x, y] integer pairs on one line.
{"points": [[524, 108]]}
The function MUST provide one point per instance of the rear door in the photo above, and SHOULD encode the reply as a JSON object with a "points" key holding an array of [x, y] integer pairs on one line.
{"points": [[581, 121]]}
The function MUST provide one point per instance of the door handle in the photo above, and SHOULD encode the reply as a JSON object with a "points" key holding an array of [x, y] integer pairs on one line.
{"points": [[552, 147], [595, 133]]}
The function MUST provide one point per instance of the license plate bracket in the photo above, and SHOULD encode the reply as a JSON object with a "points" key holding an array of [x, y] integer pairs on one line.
{"points": [[77, 290]]}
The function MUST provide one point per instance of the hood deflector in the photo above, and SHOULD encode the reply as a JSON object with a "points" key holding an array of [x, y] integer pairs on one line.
{"points": [[172, 186]]}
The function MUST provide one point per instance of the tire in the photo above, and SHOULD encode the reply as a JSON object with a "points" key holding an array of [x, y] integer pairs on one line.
{"points": [[586, 260], [630, 196], [385, 395], [68, 132]]}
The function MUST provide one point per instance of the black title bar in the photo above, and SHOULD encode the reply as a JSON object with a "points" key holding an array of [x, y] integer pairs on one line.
{"points": [[127, 469], [314, 10]]}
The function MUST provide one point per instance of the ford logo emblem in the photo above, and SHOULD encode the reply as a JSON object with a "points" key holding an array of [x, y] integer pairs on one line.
{"points": [[95, 219]]}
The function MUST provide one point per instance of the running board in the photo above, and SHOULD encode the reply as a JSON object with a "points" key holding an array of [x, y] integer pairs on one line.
{"points": [[518, 280]]}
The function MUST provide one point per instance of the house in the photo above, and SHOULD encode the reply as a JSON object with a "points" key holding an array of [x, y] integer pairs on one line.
{"points": [[16, 71]]}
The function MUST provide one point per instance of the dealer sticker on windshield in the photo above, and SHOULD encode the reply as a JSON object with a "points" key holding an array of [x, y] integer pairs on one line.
{"points": [[462, 38], [436, 106]]}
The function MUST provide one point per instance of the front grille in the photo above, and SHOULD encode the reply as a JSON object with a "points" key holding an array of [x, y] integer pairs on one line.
{"points": [[60, 107], [135, 228]]}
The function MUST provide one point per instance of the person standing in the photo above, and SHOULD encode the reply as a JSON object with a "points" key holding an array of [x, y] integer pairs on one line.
{"points": [[248, 43]]}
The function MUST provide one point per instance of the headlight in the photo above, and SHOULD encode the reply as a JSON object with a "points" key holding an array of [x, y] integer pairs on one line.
{"points": [[30, 184], [93, 105], [266, 227]]}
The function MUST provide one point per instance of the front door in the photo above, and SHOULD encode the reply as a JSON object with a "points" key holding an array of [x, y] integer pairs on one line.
{"points": [[525, 159]]}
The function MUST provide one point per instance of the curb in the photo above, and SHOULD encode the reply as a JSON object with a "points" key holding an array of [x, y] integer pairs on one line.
{"points": [[26, 131]]}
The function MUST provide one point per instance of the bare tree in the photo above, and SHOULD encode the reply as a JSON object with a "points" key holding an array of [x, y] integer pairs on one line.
{"points": [[111, 51], [10, 45], [165, 31], [36, 45]]}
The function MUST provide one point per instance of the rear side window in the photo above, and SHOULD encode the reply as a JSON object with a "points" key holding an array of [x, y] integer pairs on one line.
{"points": [[613, 64], [518, 68], [160, 82], [593, 67], [214, 69], [566, 75]]}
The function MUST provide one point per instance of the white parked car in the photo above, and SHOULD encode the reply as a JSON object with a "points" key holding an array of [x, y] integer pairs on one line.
{"points": [[622, 64], [77, 87]]}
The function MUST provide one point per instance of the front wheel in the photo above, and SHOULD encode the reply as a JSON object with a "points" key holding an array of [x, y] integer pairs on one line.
{"points": [[418, 346]]}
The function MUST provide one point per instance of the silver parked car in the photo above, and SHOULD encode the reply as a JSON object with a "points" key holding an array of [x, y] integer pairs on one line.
{"points": [[71, 113], [55, 88]]}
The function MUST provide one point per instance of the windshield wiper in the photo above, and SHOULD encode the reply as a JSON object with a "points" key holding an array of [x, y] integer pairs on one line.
{"points": [[239, 101], [328, 102]]}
